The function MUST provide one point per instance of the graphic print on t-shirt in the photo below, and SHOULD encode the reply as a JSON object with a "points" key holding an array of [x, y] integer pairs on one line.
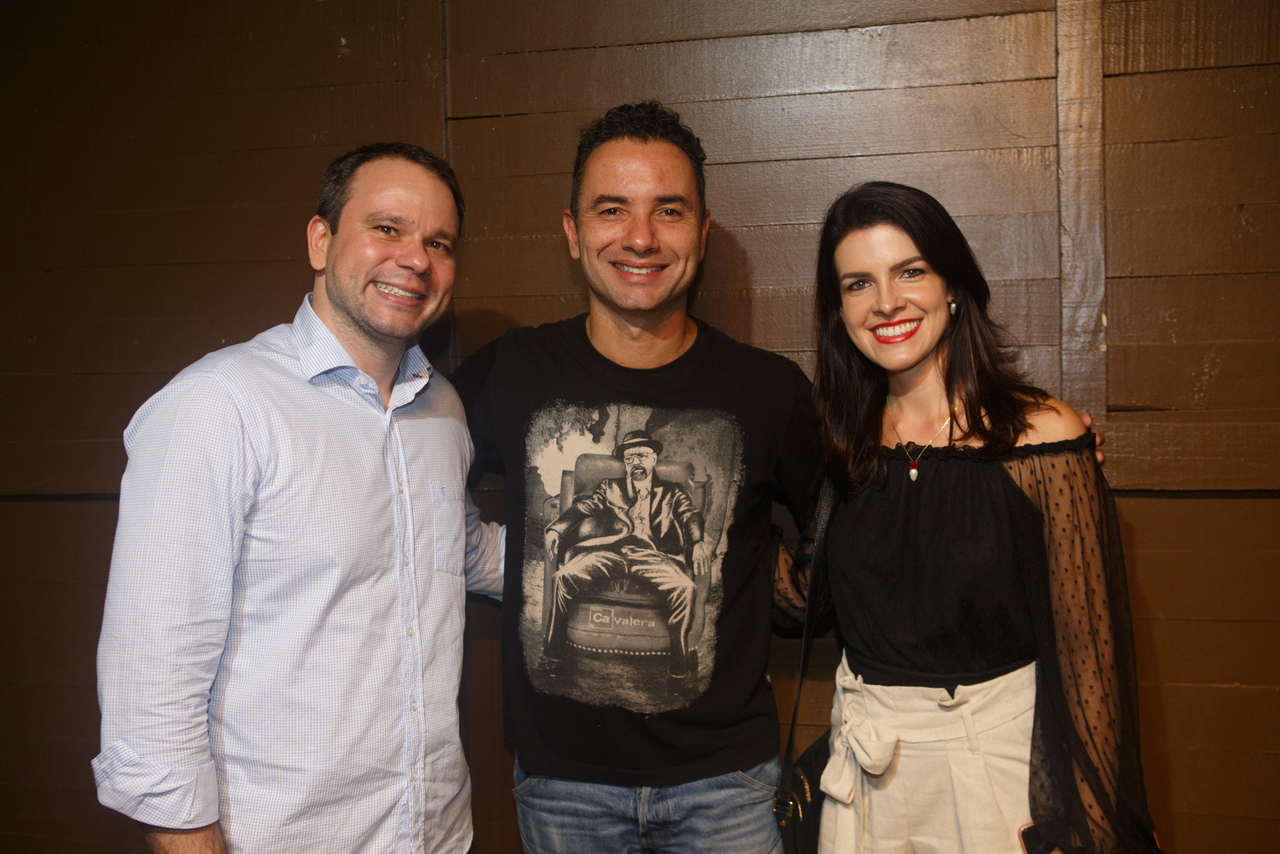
{"points": [[626, 519]]}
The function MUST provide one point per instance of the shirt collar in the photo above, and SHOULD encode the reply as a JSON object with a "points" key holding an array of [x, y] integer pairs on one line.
{"points": [[319, 351]]}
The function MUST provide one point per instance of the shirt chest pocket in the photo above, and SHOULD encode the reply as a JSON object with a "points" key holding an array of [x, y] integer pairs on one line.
{"points": [[448, 534]]}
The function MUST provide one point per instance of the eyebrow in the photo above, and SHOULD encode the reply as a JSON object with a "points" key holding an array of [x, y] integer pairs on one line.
{"points": [[914, 259], [604, 199], [670, 199], [389, 218]]}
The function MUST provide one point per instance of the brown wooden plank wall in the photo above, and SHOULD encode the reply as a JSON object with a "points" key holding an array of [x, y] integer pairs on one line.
{"points": [[792, 107], [163, 162], [164, 158], [1204, 579], [1192, 130], [1192, 120]]}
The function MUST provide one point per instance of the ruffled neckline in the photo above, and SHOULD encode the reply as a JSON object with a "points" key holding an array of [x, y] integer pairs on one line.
{"points": [[1086, 441]]}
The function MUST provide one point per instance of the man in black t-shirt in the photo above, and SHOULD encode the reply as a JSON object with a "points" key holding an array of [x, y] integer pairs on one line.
{"points": [[643, 451]]}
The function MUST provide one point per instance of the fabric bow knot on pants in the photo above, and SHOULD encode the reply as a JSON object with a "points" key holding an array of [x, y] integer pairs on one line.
{"points": [[916, 770]]}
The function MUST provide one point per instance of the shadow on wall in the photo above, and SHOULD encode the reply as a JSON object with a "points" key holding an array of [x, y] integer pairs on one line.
{"points": [[722, 294]]}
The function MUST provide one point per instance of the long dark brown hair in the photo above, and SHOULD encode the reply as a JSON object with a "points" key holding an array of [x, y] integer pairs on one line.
{"points": [[850, 390]]}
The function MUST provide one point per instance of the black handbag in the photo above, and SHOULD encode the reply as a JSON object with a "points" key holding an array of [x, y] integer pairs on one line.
{"points": [[797, 806]]}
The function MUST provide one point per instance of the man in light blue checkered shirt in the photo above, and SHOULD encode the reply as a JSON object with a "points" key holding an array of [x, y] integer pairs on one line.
{"points": [[280, 653]]}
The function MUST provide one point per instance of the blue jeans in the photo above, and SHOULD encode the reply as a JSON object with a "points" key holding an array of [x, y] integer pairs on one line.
{"points": [[729, 814]]}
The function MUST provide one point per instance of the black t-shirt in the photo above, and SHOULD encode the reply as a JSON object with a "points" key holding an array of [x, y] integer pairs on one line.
{"points": [[733, 430]]}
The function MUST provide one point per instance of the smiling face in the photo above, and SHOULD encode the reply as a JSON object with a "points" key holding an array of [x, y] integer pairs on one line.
{"points": [[639, 234], [893, 304], [387, 272]]}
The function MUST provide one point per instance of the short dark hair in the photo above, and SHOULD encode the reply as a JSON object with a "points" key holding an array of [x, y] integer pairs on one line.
{"points": [[335, 186], [646, 121], [979, 371]]}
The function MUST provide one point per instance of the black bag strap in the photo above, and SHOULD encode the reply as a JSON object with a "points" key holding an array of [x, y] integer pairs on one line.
{"points": [[817, 580]]}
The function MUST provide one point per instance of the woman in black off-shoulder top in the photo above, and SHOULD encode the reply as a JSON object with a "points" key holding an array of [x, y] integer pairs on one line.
{"points": [[987, 699]]}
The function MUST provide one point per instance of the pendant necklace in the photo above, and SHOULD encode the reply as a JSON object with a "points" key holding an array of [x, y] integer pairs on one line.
{"points": [[915, 463]]}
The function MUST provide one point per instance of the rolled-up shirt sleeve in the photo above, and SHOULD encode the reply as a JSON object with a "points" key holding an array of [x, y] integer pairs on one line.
{"points": [[184, 499], [486, 553]]}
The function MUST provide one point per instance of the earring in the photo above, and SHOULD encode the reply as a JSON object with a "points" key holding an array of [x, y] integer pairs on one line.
{"points": [[952, 305]]}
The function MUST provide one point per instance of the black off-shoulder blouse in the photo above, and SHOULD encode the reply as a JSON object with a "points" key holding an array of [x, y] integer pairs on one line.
{"points": [[981, 566]]}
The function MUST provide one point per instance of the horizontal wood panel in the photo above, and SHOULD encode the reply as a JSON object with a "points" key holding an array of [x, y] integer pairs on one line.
{"points": [[1225, 451], [61, 466], [1208, 651], [1225, 784], [110, 398], [1194, 309], [1217, 376], [774, 318], [516, 265], [1181, 719], [563, 24], [1210, 584], [119, 346], [145, 21], [1199, 833], [1241, 170], [50, 710], [479, 320], [342, 116], [270, 291], [182, 236], [1163, 35], [1198, 104], [1015, 47], [51, 633], [1213, 239], [1018, 247], [352, 54], [1185, 524], [1016, 114], [54, 821], [65, 763], [1028, 310], [967, 183], [57, 541], [207, 179]]}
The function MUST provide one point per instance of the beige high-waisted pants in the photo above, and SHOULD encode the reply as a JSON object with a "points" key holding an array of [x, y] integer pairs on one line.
{"points": [[916, 771]]}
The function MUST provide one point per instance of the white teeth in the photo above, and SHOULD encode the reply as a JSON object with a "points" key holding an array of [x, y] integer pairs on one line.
{"points": [[624, 268], [394, 291], [897, 329]]}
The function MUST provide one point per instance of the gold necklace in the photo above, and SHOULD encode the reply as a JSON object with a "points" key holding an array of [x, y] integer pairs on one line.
{"points": [[915, 472]]}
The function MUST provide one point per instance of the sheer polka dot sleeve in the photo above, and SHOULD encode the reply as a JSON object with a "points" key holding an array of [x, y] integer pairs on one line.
{"points": [[1087, 791]]}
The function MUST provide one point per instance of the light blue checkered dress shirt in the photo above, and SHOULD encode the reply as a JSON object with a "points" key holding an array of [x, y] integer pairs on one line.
{"points": [[282, 640]]}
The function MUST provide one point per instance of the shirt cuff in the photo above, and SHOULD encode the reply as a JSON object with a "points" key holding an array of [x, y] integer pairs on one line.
{"points": [[155, 794]]}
